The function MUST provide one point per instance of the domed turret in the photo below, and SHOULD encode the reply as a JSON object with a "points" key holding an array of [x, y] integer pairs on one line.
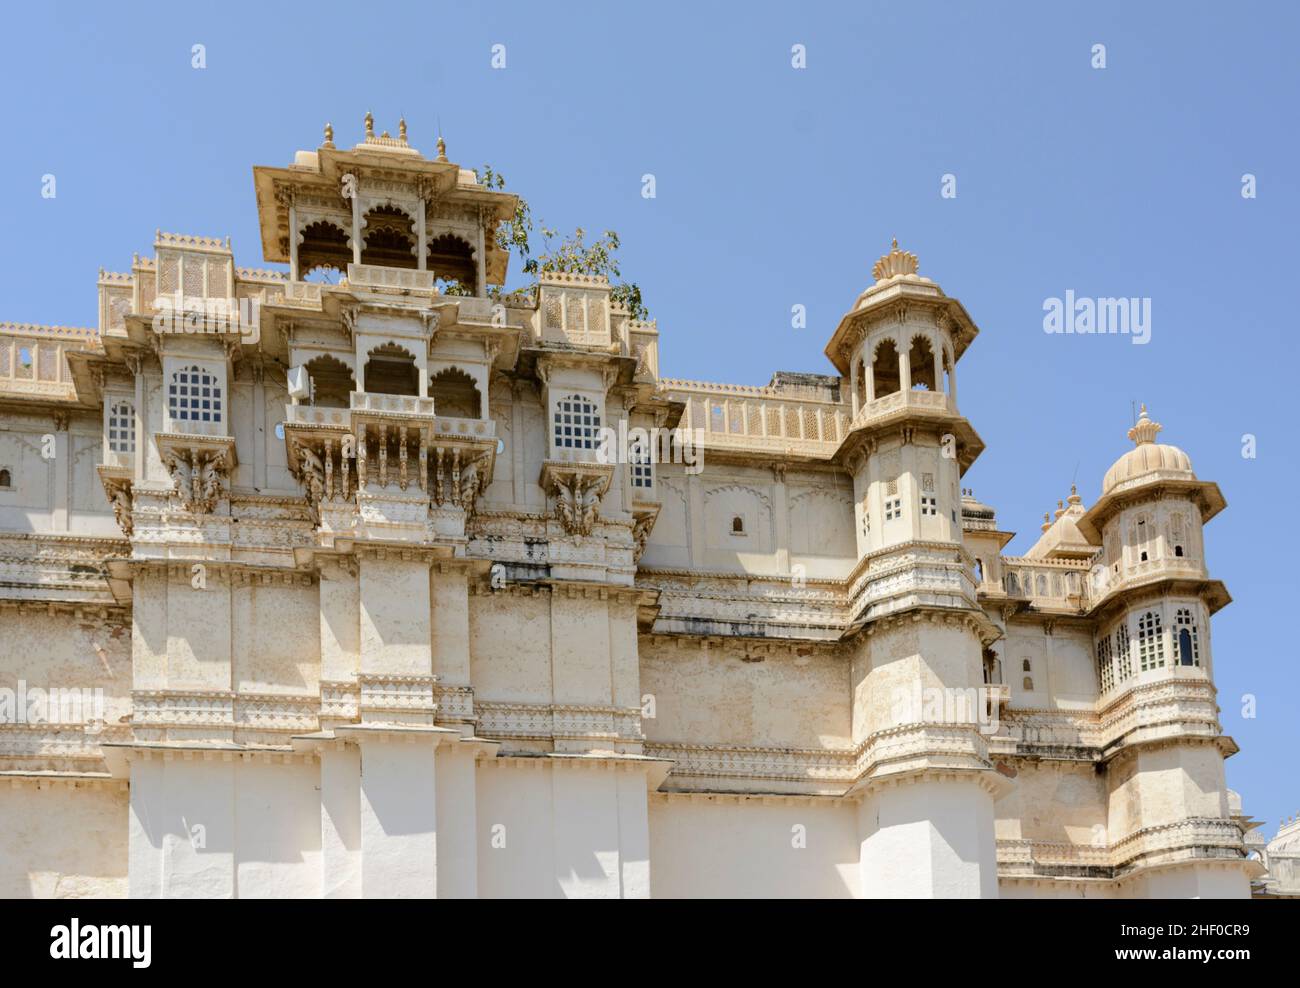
{"points": [[1148, 460]]}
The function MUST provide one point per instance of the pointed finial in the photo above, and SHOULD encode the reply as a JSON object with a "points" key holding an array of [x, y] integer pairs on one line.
{"points": [[896, 262], [329, 135], [401, 129], [370, 125], [442, 149], [1074, 496], [1047, 521], [1145, 431], [1060, 508]]}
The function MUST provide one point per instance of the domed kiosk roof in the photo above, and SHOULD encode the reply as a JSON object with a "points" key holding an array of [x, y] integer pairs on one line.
{"points": [[1143, 474], [1146, 458]]}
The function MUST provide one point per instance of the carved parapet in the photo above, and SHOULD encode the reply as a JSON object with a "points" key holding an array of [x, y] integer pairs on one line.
{"points": [[925, 748], [199, 466], [577, 489], [386, 698]]}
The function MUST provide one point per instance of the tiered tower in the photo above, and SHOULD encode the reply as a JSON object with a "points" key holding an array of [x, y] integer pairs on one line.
{"points": [[927, 787], [1168, 814]]}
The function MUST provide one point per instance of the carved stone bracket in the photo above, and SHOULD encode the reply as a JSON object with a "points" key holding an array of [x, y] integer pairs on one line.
{"points": [[200, 468], [643, 522], [117, 488], [577, 489]]}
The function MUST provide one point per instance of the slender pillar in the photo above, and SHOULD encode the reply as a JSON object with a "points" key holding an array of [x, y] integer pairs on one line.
{"points": [[293, 241], [421, 239], [480, 260], [356, 225]]}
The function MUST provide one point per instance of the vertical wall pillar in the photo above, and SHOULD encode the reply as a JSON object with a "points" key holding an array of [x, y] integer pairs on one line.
{"points": [[356, 224], [398, 814], [145, 829], [421, 240], [340, 821], [293, 240], [63, 473], [928, 840], [458, 851], [480, 261]]}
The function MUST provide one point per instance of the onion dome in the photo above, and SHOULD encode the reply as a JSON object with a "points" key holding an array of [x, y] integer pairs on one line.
{"points": [[1148, 459]]}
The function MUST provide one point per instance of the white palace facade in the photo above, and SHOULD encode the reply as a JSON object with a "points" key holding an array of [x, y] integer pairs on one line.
{"points": [[357, 603]]}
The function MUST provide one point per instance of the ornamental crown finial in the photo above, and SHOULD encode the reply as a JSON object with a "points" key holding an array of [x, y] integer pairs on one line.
{"points": [[442, 149], [896, 262], [370, 124], [401, 129], [329, 135], [1145, 431]]}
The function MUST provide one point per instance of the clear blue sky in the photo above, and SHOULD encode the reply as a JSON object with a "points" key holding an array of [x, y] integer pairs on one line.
{"points": [[776, 187]]}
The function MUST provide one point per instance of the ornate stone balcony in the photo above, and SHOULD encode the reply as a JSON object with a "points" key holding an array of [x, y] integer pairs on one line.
{"points": [[32, 359], [391, 406], [1105, 583], [302, 295], [925, 401], [1047, 583], [377, 277], [758, 419]]}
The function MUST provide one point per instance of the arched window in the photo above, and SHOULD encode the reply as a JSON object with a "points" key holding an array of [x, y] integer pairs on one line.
{"points": [[1041, 585], [323, 247], [6, 479], [331, 382], [452, 259], [1105, 672], [866, 519], [1189, 648], [454, 392], [884, 369], [979, 570], [391, 370], [1123, 663], [389, 239], [121, 427], [1028, 683], [737, 525], [921, 359], [194, 396], [1026, 666], [1151, 642], [862, 383], [1013, 585], [576, 423]]}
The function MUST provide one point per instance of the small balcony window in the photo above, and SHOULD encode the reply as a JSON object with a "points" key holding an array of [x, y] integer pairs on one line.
{"points": [[194, 395], [121, 427]]}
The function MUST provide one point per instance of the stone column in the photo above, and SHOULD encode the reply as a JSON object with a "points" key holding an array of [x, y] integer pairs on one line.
{"points": [[356, 224], [293, 241], [480, 260], [421, 239]]}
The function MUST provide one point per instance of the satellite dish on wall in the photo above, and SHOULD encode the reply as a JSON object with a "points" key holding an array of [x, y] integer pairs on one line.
{"points": [[299, 383]]}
